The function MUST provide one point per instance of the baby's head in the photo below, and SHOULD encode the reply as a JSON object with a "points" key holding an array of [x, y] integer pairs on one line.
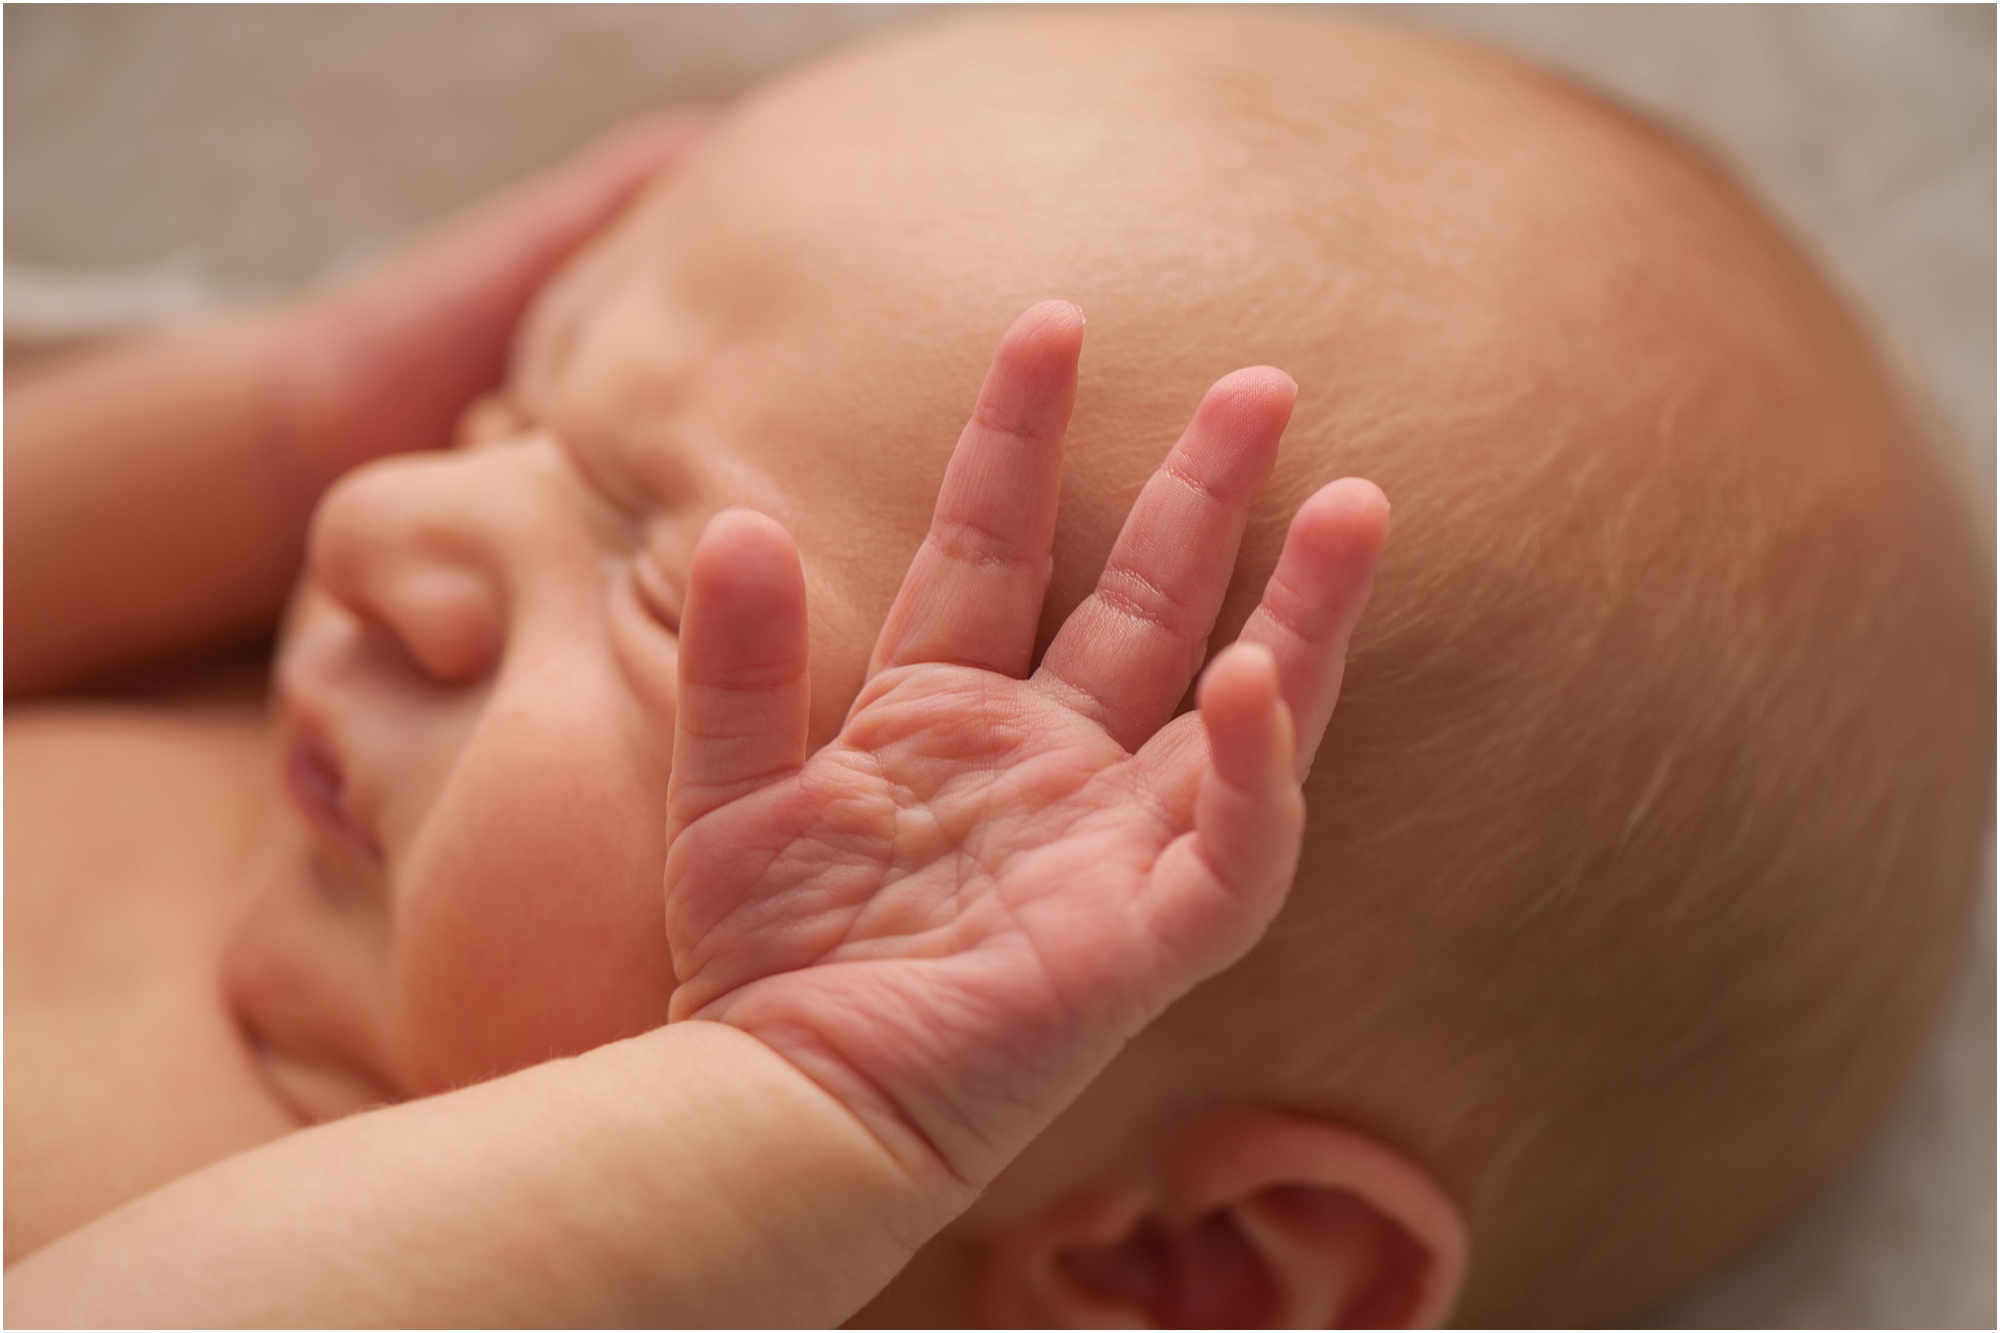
{"points": [[1639, 842]]}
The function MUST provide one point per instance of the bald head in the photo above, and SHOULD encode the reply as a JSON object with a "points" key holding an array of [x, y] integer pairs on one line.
{"points": [[1641, 837]]}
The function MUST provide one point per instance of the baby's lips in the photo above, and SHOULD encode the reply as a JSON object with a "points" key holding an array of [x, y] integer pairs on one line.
{"points": [[314, 780]]}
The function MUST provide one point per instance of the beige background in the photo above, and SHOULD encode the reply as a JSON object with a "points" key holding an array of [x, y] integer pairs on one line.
{"points": [[161, 160]]}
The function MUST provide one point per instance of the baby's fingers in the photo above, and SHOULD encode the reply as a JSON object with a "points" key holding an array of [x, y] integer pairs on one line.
{"points": [[1124, 657], [973, 595], [745, 697], [1315, 598], [1221, 884], [1249, 812]]}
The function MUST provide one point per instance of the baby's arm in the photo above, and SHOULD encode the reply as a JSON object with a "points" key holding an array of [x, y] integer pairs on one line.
{"points": [[158, 489], [689, 1177], [899, 957]]}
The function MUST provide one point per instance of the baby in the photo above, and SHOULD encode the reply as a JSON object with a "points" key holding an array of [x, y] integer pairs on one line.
{"points": [[1632, 861]]}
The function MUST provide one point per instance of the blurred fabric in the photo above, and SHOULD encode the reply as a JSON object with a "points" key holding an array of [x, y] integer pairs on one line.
{"points": [[165, 160]]}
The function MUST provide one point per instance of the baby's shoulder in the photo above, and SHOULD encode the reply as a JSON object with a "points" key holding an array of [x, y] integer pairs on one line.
{"points": [[128, 829], [97, 787]]}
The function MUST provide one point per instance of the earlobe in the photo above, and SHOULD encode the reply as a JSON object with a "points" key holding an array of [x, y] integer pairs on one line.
{"points": [[1260, 1219]]}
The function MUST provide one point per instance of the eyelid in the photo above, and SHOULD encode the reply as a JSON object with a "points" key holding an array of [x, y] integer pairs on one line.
{"points": [[661, 596], [489, 418]]}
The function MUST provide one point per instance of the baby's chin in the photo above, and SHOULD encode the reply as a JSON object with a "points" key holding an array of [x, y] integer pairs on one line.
{"points": [[291, 989], [316, 1091]]}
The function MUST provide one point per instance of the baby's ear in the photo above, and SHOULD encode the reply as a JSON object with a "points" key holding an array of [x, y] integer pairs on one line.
{"points": [[1262, 1219]]}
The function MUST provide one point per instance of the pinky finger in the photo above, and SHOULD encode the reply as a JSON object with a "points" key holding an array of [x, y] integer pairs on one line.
{"points": [[1249, 814], [1220, 884]]}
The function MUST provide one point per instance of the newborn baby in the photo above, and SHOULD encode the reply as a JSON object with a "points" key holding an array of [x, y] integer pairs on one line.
{"points": [[1636, 849]]}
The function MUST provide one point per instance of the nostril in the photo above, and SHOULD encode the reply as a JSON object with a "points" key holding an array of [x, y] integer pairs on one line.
{"points": [[447, 616], [402, 544]]}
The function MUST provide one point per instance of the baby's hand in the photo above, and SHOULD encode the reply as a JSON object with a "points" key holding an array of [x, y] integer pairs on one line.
{"points": [[956, 913]]}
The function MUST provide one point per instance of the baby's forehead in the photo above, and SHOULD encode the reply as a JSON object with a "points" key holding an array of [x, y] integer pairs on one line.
{"points": [[1442, 252], [1211, 192]]}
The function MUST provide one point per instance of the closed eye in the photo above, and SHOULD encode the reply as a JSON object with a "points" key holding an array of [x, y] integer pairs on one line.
{"points": [[662, 598]]}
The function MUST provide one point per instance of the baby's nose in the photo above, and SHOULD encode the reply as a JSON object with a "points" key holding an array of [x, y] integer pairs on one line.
{"points": [[397, 543]]}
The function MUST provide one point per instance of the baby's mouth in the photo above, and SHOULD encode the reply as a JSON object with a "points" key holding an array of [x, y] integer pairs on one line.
{"points": [[313, 779]]}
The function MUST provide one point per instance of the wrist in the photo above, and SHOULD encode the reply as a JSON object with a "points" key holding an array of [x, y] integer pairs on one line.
{"points": [[781, 1205], [917, 1187]]}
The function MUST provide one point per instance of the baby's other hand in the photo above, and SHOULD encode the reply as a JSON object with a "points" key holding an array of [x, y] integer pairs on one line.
{"points": [[386, 361], [956, 913]]}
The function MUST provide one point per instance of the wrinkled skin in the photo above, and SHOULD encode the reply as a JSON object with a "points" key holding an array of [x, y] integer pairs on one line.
{"points": [[954, 914]]}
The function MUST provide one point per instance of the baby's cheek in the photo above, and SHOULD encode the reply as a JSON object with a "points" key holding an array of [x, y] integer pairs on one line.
{"points": [[842, 637], [529, 918], [855, 556]]}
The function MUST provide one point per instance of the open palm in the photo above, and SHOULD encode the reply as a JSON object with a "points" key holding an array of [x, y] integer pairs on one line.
{"points": [[954, 914]]}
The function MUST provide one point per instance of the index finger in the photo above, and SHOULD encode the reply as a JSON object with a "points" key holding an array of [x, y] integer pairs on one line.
{"points": [[973, 595]]}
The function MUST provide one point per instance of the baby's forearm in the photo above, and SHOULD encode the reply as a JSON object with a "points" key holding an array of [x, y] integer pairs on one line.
{"points": [[149, 508], [686, 1177]]}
